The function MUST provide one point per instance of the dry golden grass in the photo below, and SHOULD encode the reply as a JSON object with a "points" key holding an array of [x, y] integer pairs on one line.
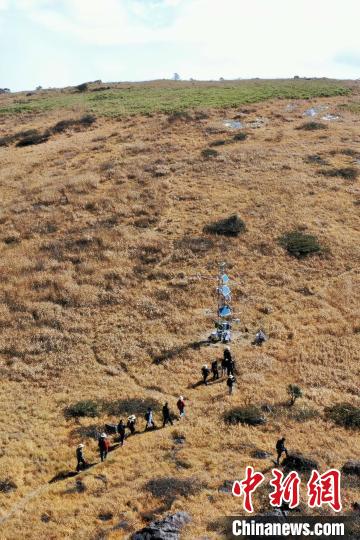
{"points": [[102, 273]]}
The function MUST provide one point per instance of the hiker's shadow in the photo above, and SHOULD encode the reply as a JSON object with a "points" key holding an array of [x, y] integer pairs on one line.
{"points": [[64, 475], [172, 353]]}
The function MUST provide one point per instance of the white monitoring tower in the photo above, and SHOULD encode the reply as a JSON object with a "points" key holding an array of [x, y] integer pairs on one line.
{"points": [[223, 323]]}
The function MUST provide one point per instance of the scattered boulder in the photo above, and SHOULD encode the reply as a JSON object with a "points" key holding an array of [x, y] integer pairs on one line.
{"points": [[300, 463], [7, 485], [165, 529], [231, 226], [260, 454], [226, 487], [352, 468], [105, 516]]}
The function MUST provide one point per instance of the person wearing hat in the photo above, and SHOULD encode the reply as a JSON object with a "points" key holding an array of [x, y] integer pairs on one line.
{"points": [[81, 463], [230, 383], [121, 431], [181, 406], [104, 446], [166, 415], [205, 373], [131, 422]]}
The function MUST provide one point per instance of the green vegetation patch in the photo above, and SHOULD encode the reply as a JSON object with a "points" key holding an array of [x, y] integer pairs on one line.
{"points": [[172, 97], [349, 173], [248, 414], [344, 414], [300, 245]]}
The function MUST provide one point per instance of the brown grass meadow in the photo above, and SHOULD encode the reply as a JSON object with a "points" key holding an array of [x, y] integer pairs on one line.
{"points": [[106, 282]]}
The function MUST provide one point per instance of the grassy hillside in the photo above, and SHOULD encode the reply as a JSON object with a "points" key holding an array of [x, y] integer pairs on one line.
{"points": [[139, 98], [107, 279]]}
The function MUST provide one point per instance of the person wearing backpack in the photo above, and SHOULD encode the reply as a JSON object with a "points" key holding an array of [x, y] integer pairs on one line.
{"points": [[81, 463], [281, 449], [149, 419], [104, 446], [166, 415], [205, 373], [121, 431], [230, 383], [181, 406], [131, 423]]}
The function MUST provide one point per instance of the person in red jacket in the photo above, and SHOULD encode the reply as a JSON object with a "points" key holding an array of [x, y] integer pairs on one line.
{"points": [[181, 406], [104, 446]]}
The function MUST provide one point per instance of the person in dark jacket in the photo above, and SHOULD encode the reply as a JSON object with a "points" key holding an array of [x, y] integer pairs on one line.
{"points": [[231, 367], [104, 446], [281, 449], [81, 463], [205, 373], [181, 406], [230, 383], [215, 370], [166, 415], [227, 354], [131, 423], [224, 366], [121, 431]]}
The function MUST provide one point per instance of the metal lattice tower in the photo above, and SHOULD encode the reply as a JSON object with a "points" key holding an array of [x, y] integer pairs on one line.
{"points": [[223, 323]]}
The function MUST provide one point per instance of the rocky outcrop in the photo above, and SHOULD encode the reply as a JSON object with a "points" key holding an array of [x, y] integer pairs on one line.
{"points": [[300, 463], [165, 529], [351, 468]]}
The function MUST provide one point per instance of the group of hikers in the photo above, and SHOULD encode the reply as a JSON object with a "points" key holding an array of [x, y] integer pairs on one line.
{"points": [[227, 368], [120, 429]]}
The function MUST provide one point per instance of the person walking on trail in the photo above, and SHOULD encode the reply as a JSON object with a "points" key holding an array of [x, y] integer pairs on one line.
{"points": [[205, 373], [231, 367], [224, 364], [166, 415], [215, 370], [227, 353], [104, 446], [281, 449], [149, 417], [121, 431], [81, 463], [260, 338], [131, 423], [181, 406], [228, 360], [230, 383]]}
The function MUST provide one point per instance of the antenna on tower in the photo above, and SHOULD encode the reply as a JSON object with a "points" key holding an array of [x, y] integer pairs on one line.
{"points": [[223, 323]]}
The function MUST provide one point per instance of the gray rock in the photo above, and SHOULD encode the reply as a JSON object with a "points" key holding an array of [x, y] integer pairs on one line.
{"points": [[351, 468], [164, 529], [226, 487], [260, 454], [300, 463]]}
